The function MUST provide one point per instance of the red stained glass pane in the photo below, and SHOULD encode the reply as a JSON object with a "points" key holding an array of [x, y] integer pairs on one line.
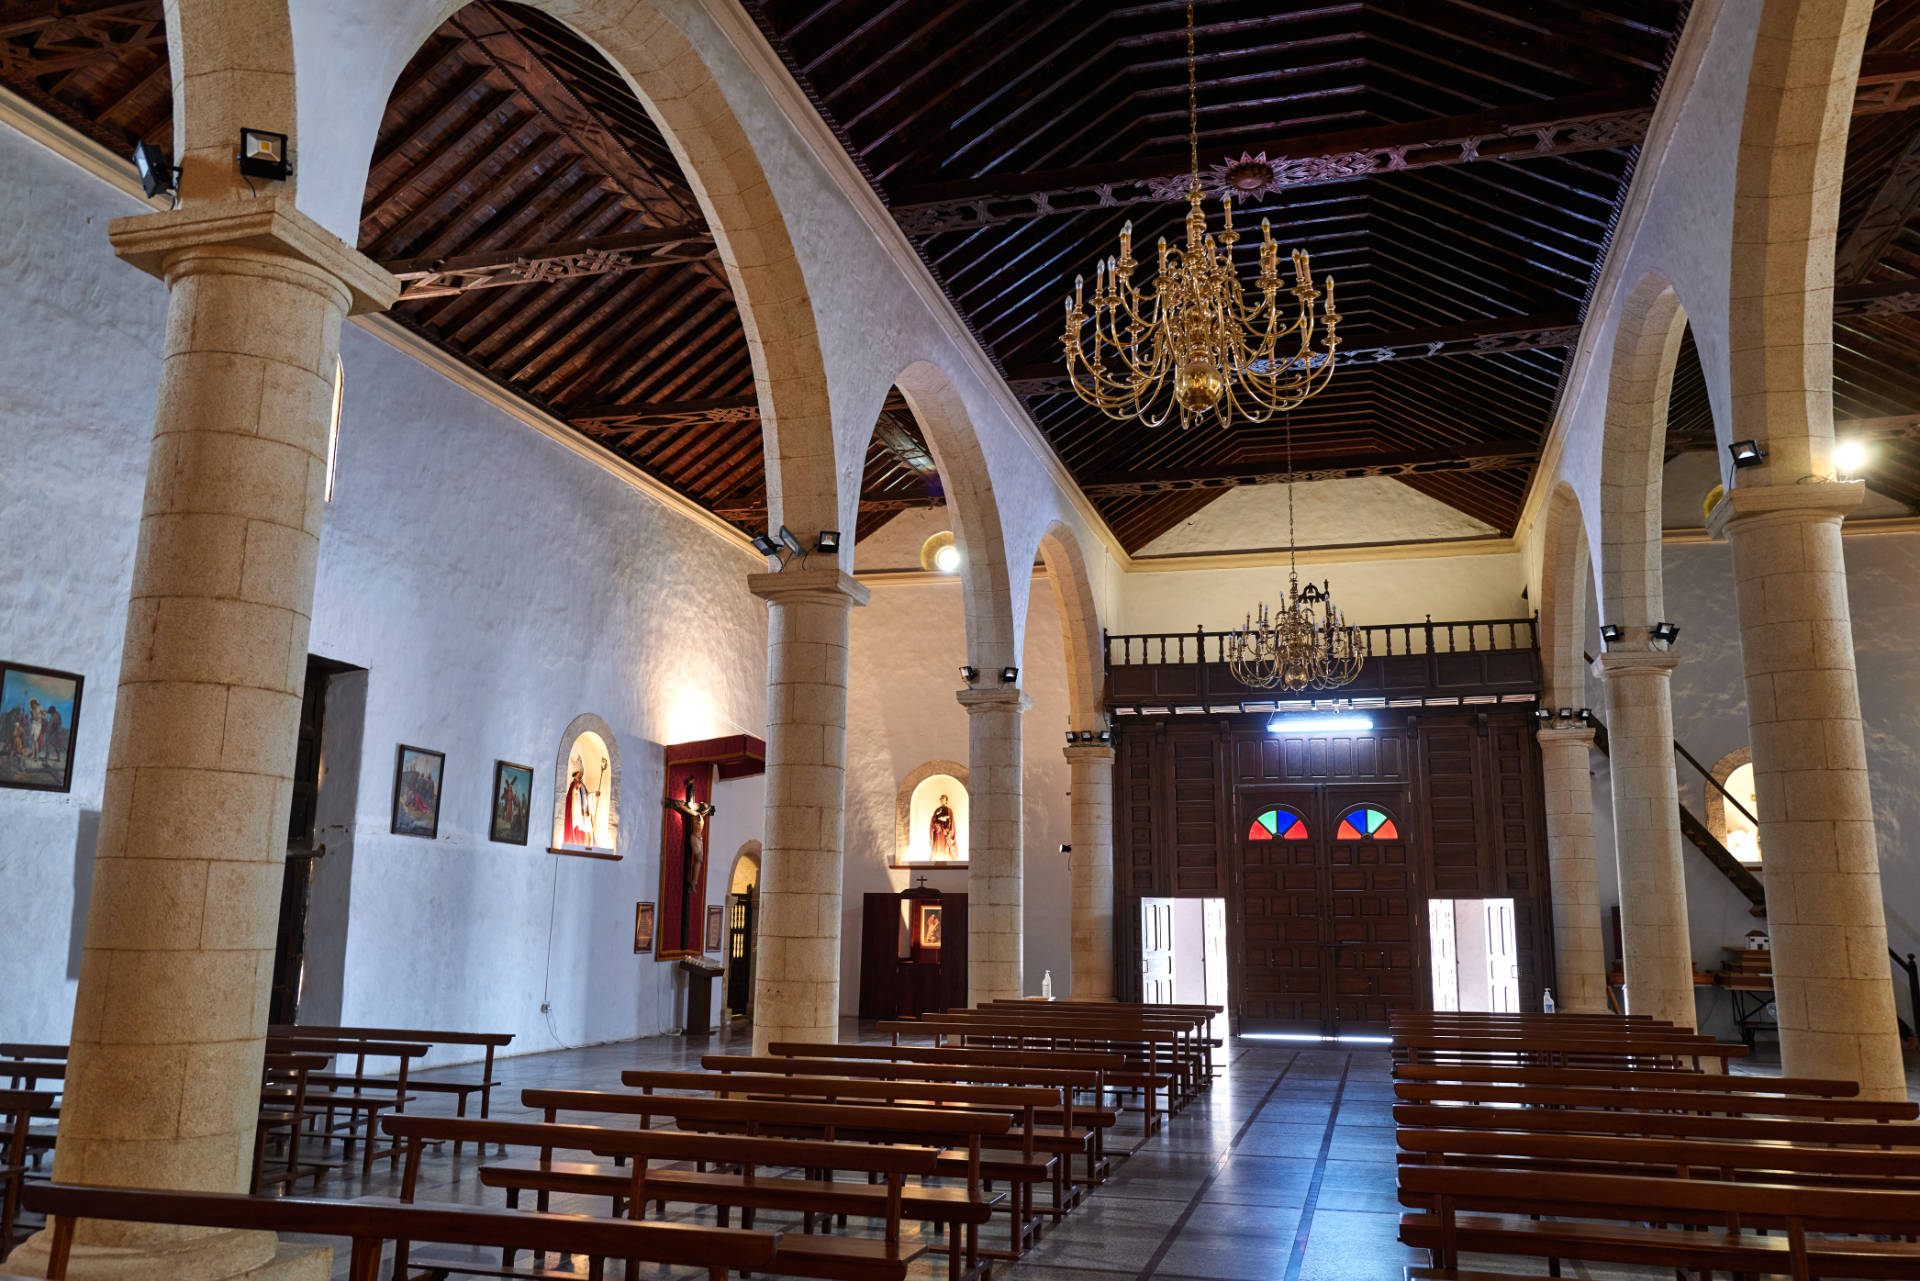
{"points": [[1298, 832], [1386, 832], [1347, 832], [1258, 832]]}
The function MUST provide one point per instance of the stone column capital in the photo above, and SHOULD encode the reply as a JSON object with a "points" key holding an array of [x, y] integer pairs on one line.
{"points": [[157, 243], [1573, 736], [1089, 754], [1815, 500], [1009, 697], [823, 586], [1619, 662]]}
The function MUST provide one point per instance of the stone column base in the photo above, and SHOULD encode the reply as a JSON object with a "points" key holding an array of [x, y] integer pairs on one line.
{"points": [[217, 1256]]}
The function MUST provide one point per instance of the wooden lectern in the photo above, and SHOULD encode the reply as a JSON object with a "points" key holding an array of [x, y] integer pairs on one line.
{"points": [[700, 976]]}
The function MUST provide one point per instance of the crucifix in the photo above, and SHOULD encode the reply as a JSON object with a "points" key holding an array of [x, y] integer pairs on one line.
{"points": [[693, 858]]}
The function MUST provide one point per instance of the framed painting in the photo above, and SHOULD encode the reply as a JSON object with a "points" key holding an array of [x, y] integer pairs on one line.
{"points": [[642, 928], [512, 798], [39, 715], [930, 926], [417, 775], [716, 923]]}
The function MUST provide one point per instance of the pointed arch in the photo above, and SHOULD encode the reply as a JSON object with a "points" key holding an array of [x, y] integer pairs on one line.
{"points": [[1079, 623], [1646, 345]]}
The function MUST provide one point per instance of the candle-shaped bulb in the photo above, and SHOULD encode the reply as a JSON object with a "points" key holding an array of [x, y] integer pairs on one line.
{"points": [[1079, 284], [1266, 230]]}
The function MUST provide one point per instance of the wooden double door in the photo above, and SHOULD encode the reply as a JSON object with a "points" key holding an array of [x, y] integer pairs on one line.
{"points": [[1330, 934]]}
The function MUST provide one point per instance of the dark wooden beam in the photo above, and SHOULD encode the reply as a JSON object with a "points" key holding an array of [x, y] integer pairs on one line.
{"points": [[1497, 456], [1889, 299], [1591, 122], [899, 439], [1888, 82], [756, 510], [608, 420], [1894, 202], [596, 256], [1471, 338], [1895, 427]]}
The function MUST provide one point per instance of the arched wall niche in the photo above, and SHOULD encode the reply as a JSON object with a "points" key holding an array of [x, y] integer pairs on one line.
{"points": [[914, 806], [1563, 606], [1080, 629], [1646, 347], [1722, 819], [349, 55], [993, 640], [590, 747], [746, 869]]}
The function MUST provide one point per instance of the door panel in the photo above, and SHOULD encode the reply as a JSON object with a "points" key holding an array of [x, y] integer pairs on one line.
{"points": [[1373, 934], [1283, 978], [1156, 951]]}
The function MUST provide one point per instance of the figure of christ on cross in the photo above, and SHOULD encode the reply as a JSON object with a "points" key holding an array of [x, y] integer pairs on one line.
{"points": [[693, 859]]}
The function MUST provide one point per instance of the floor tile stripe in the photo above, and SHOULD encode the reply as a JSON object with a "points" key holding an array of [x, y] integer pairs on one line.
{"points": [[1305, 1229]]}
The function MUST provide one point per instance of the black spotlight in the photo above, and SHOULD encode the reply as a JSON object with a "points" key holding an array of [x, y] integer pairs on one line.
{"points": [[1586, 716], [1086, 736], [155, 167], [828, 541], [263, 154], [1008, 675], [1106, 736], [1543, 713], [790, 542], [1066, 849], [765, 546], [1071, 738], [1668, 632], [1747, 453], [1609, 632], [969, 674]]}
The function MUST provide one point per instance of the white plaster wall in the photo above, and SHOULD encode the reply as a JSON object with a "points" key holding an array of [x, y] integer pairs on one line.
{"points": [[492, 583], [79, 356], [1364, 509], [1369, 591], [903, 670]]}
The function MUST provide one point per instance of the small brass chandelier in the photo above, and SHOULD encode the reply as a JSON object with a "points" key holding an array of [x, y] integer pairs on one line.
{"points": [[1191, 343], [1305, 641]]}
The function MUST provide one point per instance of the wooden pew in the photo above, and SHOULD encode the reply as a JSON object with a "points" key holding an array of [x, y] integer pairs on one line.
{"points": [[1152, 1047], [1083, 1124], [1756, 1129], [831, 1258], [1628, 1078], [284, 1110], [1656, 1099], [487, 1042], [18, 1108], [1033, 1155], [1604, 1217], [1193, 1049], [355, 1104], [967, 1208], [370, 1223], [1596, 1049]]}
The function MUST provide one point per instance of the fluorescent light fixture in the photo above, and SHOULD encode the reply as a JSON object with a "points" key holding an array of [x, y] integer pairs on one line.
{"points": [[1309, 722]]}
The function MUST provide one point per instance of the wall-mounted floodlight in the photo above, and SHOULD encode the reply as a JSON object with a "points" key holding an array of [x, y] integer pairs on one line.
{"points": [[1849, 458], [156, 169], [1610, 632], [827, 541], [1106, 736], [1008, 675], [1586, 716], [791, 542], [1311, 722], [263, 154], [1668, 632], [765, 546], [969, 674], [1543, 713], [1747, 453]]}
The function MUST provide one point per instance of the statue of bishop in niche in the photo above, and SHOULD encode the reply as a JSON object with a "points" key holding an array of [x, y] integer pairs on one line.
{"points": [[581, 806]]}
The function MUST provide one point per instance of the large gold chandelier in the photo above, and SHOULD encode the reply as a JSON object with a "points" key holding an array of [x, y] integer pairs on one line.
{"points": [[1193, 342], [1304, 642]]}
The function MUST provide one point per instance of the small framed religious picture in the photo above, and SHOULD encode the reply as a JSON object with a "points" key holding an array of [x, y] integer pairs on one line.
{"points": [[39, 716], [642, 928], [512, 798], [930, 926], [716, 921], [416, 791]]}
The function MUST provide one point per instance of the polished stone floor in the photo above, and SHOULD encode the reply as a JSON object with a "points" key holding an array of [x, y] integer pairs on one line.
{"points": [[1282, 1172]]}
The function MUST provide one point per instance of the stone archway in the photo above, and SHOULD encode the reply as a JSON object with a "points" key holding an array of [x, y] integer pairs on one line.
{"points": [[1079, 623], [738, 951], [1646, 346], [1562, 598]]}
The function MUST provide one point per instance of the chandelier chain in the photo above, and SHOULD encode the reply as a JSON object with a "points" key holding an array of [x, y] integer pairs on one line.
{"points": [[1193, 107]]}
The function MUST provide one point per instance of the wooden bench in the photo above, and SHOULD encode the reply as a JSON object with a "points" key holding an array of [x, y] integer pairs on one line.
{"points": [[1656, 1099], [369, 1224], [283, 1112], [18, 1108], [363, 1109], [1758, 1129], [1732, 1161], [830, 1258], [1192, 1048], [1605, 1218], [1628, 1078], [1594, 1049], [1031, 1157], [489, 1043], [965, 1208]]}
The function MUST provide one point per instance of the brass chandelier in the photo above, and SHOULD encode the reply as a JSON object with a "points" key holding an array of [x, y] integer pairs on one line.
{"points": [[1192, 342], [1305, 641]]}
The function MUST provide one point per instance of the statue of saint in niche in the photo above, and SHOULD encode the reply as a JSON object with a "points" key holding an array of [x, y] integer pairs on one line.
{"points": [[941, 834], [582, 806], [693, 859]]}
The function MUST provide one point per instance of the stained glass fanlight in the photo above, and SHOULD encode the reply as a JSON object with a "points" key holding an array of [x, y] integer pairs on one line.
{"points": [[1365, 823], [1278, 825]]}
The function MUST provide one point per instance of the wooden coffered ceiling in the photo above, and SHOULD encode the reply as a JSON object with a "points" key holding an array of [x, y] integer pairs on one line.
{"points": [[1456, 164]]}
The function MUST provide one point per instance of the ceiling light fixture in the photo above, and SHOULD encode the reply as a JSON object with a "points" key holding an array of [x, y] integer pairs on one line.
{"points": [[1310, 722], [1193, 343], [1849, 457]]}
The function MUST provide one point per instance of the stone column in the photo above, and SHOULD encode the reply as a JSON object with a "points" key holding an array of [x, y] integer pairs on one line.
{"points": [[1091, 869], [1580, 966], [995, 853], [163, 1085], [796, 980], [1646, 834], [1831, 976]]}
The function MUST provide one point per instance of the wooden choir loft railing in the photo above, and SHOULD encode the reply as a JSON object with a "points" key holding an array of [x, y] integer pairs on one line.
{"points": [[1468, 636]]}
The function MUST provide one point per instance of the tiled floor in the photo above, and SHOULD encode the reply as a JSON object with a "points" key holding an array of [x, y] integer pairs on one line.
{"points": [[1284, 1171]]}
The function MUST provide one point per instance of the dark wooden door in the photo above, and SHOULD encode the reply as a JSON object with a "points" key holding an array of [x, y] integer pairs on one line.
{"points": [[1282, 877], [1372, 921], [1329, 939], [1156, 951], [740, 952]]}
